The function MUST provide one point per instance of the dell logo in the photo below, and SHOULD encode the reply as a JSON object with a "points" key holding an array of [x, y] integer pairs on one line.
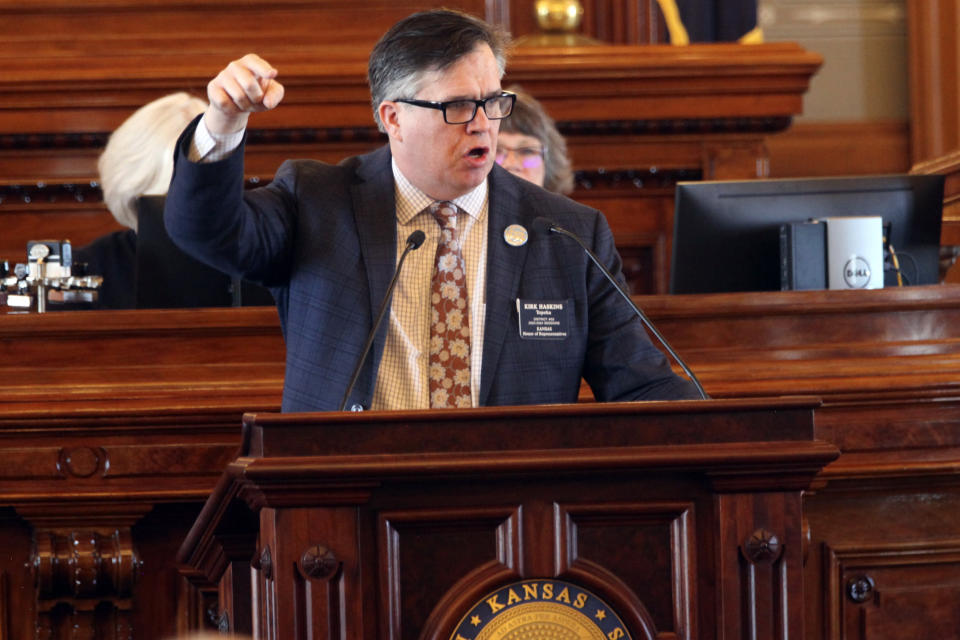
{"points": [[856, 273]]}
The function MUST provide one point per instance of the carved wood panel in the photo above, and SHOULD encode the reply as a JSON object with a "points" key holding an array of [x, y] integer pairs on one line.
{"points": [[475, 547], [438, 561], [593, 544], [320, 561], [891, 591], [754, 538], [659, 595], [885, 557]]}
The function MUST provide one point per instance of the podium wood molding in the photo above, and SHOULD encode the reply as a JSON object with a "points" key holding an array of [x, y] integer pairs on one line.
{"points": [[425, 512]]}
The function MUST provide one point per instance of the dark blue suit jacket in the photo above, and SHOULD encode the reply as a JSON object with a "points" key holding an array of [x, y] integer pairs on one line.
{"points": [[323, 238]]}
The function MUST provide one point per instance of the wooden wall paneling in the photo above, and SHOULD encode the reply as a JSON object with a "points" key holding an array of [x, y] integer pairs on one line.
{"points": [[27, 159], [647, 116], [841, 149], [760, 559], [735, 159], [871, 332], [62, 28], [632, 22], [934, 65], [235, 590], [640, 216], [864, 149], [197, 608], [265, 579]]}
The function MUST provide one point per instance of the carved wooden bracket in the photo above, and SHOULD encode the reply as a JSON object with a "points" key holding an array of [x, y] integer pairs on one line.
{"points": [[84, 580], [84, 564]]}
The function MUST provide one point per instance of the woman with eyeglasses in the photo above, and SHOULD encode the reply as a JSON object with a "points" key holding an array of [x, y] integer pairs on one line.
{"points": [[529, 145]]}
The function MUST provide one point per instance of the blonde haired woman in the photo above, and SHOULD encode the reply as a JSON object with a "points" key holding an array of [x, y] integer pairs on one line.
{"points": [[137, 160]]}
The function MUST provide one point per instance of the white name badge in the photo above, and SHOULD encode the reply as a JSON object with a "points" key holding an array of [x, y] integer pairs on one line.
{"points": [[544, 319]]}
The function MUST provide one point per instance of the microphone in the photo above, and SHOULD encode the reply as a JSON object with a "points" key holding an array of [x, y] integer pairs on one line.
{"points": [[414, 240], [542, 224]]}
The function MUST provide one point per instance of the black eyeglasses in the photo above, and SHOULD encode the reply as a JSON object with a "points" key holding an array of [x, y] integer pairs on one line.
{"points": [[464, 111]]}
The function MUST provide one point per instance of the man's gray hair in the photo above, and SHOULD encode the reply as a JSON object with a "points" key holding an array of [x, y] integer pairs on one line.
{"points": [[427, 41]]}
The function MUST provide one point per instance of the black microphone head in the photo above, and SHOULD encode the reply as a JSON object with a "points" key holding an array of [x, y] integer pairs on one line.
{"points": [[415, 239], [543, 225]]}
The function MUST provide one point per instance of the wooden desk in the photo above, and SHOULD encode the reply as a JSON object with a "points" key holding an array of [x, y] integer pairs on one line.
{"points": [[884, 523], [114, 427], [159, 395]]}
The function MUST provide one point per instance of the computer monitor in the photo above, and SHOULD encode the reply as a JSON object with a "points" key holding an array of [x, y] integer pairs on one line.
{"points": [[167, 278], [726, 234]]}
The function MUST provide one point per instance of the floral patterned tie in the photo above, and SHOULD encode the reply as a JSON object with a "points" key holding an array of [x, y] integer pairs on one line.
{"points": [[450, 317]]}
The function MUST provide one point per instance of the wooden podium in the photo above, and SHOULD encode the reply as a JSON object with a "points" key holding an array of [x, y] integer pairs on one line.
{"points": [[684, 517]]}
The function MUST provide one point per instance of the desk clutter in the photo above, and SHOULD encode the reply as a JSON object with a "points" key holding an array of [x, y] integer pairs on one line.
{"points": [[48, 277]]}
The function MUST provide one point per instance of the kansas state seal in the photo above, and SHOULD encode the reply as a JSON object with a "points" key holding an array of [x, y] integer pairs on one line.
{"points": [[541, 609]]}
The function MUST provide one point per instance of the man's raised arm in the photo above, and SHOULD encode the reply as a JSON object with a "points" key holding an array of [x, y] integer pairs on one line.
{"points": [[245, 86]]}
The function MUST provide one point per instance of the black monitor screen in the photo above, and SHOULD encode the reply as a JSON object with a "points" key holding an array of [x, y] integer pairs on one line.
{"points": [[726, 234]]}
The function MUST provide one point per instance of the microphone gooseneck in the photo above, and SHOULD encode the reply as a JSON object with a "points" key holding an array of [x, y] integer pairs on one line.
{"points": [[414, 240], [545, 224]]}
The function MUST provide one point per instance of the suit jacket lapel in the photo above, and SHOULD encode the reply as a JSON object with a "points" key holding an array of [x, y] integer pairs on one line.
{"points": [[504, 269], [374, 209]]}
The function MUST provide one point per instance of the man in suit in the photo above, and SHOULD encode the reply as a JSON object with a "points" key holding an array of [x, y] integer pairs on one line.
{"points": [[534, 315]]}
